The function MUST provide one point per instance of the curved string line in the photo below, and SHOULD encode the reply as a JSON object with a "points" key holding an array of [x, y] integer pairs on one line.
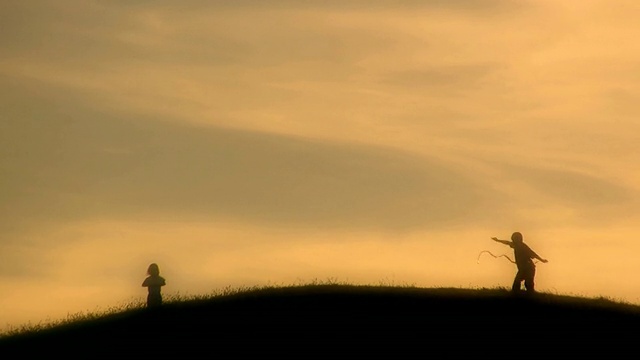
{"points": [[495, 256]]}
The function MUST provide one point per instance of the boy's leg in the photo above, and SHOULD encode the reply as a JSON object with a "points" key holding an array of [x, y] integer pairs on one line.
{"points": [[528, 281], [517, 281], [528, 285]]}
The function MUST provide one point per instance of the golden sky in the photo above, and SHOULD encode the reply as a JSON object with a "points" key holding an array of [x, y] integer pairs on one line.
{"points": [[241, 143]]}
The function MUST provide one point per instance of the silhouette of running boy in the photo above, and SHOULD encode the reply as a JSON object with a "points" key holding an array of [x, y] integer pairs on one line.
{"points": [[154, 282], [524, 261]]}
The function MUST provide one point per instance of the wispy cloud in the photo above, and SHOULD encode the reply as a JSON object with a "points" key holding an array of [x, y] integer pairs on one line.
{"points": [[91, 163]]}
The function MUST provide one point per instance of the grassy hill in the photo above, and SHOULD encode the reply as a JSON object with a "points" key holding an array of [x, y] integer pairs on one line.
{"points": [[348, 321]]}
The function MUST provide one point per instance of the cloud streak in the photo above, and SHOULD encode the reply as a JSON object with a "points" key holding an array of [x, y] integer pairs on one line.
{"points": [[81, 164]]}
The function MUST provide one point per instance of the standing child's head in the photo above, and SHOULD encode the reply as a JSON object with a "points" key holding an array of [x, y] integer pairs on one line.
{"points": [[153, 270], [516, 237]]}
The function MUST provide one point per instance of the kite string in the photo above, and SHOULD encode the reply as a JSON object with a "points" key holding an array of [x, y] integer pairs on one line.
{"points": [[495, 256]]}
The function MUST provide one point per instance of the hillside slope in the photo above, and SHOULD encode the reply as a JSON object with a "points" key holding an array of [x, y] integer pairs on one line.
{"points": [[344, 321]]}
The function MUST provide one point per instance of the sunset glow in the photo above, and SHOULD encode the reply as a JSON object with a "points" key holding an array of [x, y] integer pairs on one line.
{"points": [[242, 143]]}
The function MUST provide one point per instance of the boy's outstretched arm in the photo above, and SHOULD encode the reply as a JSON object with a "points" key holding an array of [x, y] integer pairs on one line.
{"points": [[501, 241], [536, 256]]}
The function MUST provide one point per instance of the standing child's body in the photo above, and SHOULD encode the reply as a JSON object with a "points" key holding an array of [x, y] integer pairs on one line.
{"points": [[524, 261], [154, 282]]}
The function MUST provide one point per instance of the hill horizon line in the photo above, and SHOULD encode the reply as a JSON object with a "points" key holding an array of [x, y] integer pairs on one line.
{"points": [[365, 320]]}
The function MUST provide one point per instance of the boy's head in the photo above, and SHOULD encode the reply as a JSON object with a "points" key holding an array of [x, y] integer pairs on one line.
{"points": [[153, 269], [516, 237]]}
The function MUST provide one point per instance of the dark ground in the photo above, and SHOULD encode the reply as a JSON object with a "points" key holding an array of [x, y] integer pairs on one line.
{"points": [[339, 322]]}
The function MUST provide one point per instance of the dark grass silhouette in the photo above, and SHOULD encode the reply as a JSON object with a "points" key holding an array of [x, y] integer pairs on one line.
{"points": [[348, 321]]}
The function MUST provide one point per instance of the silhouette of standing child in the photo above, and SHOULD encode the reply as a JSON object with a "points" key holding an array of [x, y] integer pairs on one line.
{"points": [[524, 261], [154, 282]]}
